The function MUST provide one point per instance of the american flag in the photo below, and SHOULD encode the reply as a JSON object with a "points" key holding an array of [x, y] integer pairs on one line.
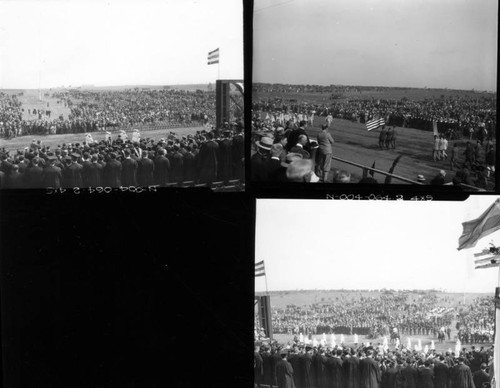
{"points": [[260, 269], [213, 57], [374, 123]]}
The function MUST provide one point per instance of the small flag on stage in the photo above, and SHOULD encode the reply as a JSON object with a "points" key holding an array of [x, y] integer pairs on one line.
{"points": [[260, 269], [374, 123], [474, 230], [213, 57]]}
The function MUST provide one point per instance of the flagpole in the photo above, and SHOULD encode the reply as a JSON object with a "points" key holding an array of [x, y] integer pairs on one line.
{"points": [[218, 66]]}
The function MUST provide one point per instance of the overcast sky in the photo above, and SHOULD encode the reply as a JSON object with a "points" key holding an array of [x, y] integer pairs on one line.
{"points": [[414, 43], [322, 244], [118, 42]]}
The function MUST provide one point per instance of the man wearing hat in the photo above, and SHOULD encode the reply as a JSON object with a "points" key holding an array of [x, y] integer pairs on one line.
{"points": [[259, 160], [129, 170], [307, 371], [225, 156], [284, 371], [145, 173], [257, 366], [72, 174], [162, 168], [238, 153], [325, 151], [95, 172], [370, 371], [420, 178], [34, 175], [461, 375], [52, 175], [176, 164], [113, 171], [208, 160]]}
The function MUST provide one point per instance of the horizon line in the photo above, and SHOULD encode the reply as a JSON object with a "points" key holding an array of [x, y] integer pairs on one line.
{"points": [[377, 86]]}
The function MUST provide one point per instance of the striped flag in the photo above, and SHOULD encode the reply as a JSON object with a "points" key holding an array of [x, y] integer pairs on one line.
{"points": [[213, 57], [260, 269], [374, 123], [474, 230], [490, 265]]}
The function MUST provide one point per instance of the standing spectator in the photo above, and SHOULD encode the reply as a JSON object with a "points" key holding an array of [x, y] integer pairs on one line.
{"points": [[207, 160], [129, 170], [284, 372], [259, 159], [370, 371], [325, 151], [461, 375]]}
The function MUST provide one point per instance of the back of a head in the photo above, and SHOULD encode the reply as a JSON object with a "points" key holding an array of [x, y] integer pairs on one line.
{"points": [[297, 171], [276, 149], [342, 177]]}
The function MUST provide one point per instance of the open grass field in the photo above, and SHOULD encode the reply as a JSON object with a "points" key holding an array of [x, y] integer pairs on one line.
{"points": [[53, 141]]}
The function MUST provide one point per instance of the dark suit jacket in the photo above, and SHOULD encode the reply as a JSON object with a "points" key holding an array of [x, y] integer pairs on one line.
{"points": [[145, 172], [480, 377], [207, 162], [34, 177], [441, 375], [370, 373], [189, 167], [176, 167], [15, 180], [95, 175], [258, 165], [162, 170], [274, 170], [113, 173], [72, 175], [52, 177], [425, 378], [129, 172]]}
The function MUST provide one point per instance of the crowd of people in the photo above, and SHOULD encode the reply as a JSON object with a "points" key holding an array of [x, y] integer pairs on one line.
{"points": [[373, 316], [474, 118], [476, 322], [91, 111], [299, 365], [201, 158]]}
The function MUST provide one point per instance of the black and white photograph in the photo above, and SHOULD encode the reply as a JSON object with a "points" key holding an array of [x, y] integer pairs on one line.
{"points": [[376, 294], [109, 94], [372, 91]]}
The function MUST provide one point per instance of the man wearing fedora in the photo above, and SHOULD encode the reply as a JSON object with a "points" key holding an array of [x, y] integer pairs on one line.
{"points": [[260, 158]]}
